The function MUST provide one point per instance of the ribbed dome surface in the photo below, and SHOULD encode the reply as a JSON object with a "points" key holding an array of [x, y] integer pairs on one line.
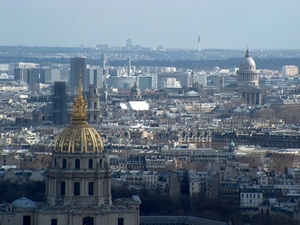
{"points": [[79, 138], [247, 63]]}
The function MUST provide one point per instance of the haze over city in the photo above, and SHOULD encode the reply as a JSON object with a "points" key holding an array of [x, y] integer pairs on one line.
{"points": [[229, 24]]}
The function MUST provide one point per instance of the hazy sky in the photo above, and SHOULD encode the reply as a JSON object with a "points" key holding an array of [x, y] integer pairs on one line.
{"points": [[224, 24]]}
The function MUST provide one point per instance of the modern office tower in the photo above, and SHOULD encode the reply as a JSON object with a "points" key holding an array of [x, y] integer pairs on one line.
{"points": [[20, 74], [182, 78], [94, 76], [289, 70], [64, 75], [78, 67], [199, 43], [125, 82], [147, 82], [129, 44], [201, 79], [221, 81], [48, 76], [33, 75], [29, 76], [59, 113]]}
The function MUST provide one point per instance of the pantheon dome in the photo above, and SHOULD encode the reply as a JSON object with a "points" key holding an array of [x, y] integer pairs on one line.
{"points": [[247, 73], [247, 63], [79, 136]]}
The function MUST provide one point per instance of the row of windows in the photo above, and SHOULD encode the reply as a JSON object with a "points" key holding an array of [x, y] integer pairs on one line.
{"points": [[85, 221], [77, 164], [250, 195], [76, 190]]}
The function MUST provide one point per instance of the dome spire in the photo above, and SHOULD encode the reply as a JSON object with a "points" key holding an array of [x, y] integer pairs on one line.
{"points": [[247, 52], [79, 106]]}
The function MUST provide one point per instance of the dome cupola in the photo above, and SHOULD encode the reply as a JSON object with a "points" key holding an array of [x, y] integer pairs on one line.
{"points": [[247, 63]]}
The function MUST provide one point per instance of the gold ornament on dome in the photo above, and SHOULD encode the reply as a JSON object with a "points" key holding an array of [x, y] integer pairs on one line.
{"points": [[79, 136]]}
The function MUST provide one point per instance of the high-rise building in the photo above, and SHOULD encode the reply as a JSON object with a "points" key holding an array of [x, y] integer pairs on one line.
{"points": [[289, 70], [147, 82], [129, 44], [59, 112], [59, 103], [95, 76], [78, 67]]}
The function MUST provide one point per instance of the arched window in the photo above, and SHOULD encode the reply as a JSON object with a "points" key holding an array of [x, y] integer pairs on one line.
{"points": [[88, 221], [100, 163], [64, 164], [90, 164], [77, 164]]}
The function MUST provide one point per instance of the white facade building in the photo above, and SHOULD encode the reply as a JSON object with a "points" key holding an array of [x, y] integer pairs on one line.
{"points": [[289, 70]]}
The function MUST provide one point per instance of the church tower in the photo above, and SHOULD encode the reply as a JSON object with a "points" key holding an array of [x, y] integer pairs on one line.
{"points": [[79, 174]]}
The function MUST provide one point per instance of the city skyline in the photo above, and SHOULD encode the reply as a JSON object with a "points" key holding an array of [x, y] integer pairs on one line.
{"points": [[230, 24]]}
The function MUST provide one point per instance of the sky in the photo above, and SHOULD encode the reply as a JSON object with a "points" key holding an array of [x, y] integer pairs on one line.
{"points": [[222, 24]]}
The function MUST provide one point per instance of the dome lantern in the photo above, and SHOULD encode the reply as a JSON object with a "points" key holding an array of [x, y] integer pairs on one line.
{"points": [[79, 136]]}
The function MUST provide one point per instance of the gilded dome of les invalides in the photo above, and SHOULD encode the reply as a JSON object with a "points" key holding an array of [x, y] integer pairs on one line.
{"points": [[79, 136]]}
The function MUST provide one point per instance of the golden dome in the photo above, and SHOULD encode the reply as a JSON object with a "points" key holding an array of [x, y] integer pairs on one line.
{"points": [[79, 136]]}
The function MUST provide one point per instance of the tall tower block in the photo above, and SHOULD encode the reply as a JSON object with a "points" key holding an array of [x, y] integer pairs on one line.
{"points": [[129, 67], [199, 43]]}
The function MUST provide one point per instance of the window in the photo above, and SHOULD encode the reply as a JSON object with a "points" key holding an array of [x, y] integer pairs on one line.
{"points": [[100, 162], [88, 221], [64, 164], [54, 222], [91, 188], [120, 221], [62, 188], [26, 220], [77, 188], [90, 164], [77, 164]]}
